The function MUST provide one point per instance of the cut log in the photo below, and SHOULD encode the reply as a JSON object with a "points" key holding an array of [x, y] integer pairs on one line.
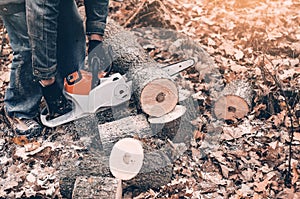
{"points": [[155, 172], [129, 55], [132, 126], [97, 187], [88, 165], [186, 100], [177, 125], [154, 89], [234, 102], [166, 126], [126, 158], [157, 92]]}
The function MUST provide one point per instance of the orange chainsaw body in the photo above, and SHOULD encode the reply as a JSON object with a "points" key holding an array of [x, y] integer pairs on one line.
{"points": [[79, 82]]}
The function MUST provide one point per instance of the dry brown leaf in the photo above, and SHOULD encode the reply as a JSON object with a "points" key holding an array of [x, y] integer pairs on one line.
{"points": [[32, 146], [5, 76], [248, 174], [195, 153], [245, 190], [225, 170], [20, 140], [198, 135], [297, 136], [237, 68], [278, 119], [295, 173], [261, 186], [238, 55]]}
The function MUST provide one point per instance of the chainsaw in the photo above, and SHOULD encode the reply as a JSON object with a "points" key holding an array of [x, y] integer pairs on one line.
{"points": [[90, 91]]}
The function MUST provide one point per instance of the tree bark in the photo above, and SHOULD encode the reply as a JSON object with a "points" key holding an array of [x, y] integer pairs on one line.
{"points": [[155, 172], [166, 126], [132, 126], [154, 89], [97, 187]]}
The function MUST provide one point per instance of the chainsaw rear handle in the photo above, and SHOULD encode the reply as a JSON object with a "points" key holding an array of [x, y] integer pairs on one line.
{"points": [[95, 65], [74, 78]]}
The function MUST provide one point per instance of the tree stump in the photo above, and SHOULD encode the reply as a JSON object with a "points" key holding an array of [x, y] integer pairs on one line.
{"points": [[234, 102]]}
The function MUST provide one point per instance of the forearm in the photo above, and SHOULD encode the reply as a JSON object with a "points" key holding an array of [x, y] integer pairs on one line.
{"points": [[96, 13]]}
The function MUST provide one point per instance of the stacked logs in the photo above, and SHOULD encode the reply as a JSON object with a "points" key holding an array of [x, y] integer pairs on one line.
{"points": [[158, 115]]}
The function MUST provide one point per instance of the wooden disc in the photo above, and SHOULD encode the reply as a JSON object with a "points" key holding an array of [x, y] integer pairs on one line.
{"points": [[173, 115], [230, 107], [159, 97], [126, 158]]}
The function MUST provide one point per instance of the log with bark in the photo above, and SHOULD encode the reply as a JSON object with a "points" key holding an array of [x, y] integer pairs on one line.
{"points": [[97, 187], [129, 58], [155, 172], [176, 125], [155, 91], [132, 126], [234, 102]]}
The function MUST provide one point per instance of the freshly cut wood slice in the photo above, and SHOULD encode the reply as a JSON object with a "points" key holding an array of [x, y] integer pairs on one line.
{"points": [[126, 158], [159, 97], [166, 126], [157, 92], [169, 117], [234, 101]]}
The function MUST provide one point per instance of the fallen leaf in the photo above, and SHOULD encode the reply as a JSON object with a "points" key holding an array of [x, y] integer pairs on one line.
{"points": [[31, 178], [297, 136], [32, 146], [198, 135], [295, 173], [238, 55], [261, 186], [20, 140]]}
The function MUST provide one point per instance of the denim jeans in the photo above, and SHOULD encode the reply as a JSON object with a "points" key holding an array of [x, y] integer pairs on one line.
{"points": [[57, 37], [23, 95]]}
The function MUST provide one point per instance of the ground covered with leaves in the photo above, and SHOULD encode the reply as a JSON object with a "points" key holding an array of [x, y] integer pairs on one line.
{"points": [[253, 157]]}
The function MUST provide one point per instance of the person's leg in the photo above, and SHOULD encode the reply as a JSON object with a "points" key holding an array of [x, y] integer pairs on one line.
{"points": [[42, 17], [23, 94], [49, 58], [57, 37]]}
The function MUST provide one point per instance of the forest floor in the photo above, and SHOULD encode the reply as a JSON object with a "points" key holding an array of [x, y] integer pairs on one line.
{"points": [[253, 157]]}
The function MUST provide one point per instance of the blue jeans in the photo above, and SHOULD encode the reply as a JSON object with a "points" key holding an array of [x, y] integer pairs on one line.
{"points": [[23, 95]]}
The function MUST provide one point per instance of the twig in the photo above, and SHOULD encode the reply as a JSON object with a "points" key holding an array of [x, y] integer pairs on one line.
{"points": [[128, 21], [2, 39], [291, 133]]}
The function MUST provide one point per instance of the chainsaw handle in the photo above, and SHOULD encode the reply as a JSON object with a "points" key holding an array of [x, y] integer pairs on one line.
{"points": [[110, 54], [95, 65]]}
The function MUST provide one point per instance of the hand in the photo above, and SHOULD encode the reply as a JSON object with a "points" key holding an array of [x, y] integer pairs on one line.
{"points": [[56, 103]]}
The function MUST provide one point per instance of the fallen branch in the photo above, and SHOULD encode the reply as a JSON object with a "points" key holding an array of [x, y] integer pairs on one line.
{"points": [[288, 177]]}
